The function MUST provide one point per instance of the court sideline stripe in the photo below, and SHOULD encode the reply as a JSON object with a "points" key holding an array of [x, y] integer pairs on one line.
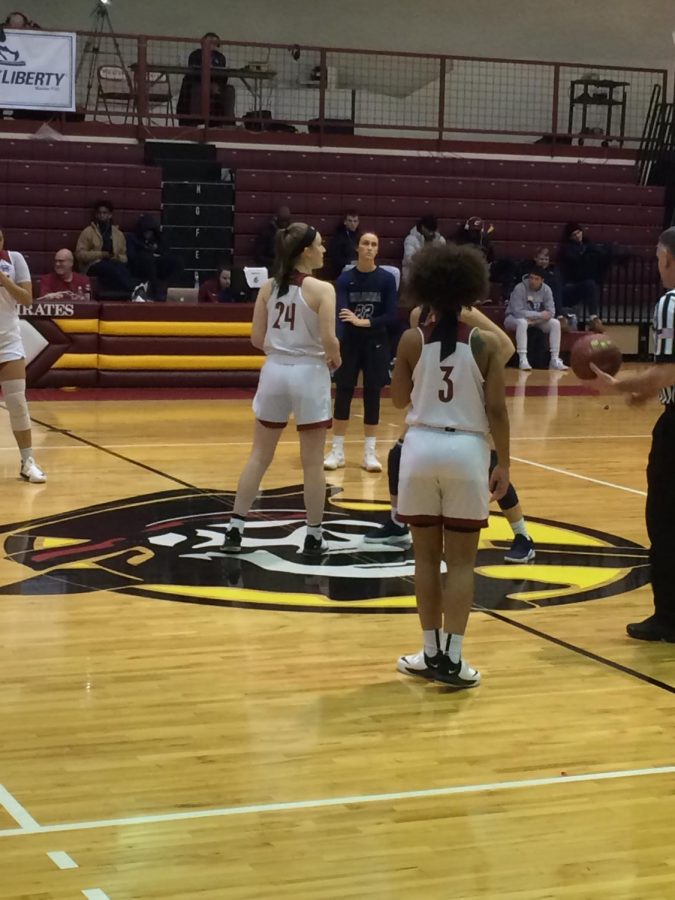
{"points": [[626, 670], [358, 800], [20, 815], [128, 459], [163, 444], [618, 487]]}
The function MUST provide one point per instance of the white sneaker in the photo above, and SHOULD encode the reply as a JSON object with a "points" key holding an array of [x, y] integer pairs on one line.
{"points": [[334, 460], [30, 471], [558, 365], [524, 365], [459, 675], [140, 293], [370, 462]]}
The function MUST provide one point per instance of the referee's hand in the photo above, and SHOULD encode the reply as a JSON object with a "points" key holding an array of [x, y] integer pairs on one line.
{"points": [[606, 380]]}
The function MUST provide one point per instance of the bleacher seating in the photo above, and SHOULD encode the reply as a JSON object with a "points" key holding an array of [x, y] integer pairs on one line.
{"points": [[47, 191], [526, 211]]}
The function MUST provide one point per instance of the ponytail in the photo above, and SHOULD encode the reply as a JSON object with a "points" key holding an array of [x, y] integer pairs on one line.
{"points": [[289, 244]]}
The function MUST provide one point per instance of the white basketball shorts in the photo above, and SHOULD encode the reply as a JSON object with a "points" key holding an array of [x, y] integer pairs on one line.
{"points": [[11, 346], [444, 479], [298, 387]]}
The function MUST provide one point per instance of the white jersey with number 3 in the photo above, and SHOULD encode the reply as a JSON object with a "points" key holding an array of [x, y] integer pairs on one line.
{"points": [[292, 327], [448, 393]]}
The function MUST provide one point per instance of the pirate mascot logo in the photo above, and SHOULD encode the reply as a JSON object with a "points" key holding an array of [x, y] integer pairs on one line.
{"points": [[169, 546]]}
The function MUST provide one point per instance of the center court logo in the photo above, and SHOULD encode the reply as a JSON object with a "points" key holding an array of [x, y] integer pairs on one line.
{"points": [[168, 546]]}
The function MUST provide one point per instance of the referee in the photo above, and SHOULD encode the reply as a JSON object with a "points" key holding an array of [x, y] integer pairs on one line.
{"points": [[660, 510]]}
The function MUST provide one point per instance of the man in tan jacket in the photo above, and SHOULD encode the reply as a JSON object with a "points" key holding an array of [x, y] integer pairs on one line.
{"points": [[101, 251]]}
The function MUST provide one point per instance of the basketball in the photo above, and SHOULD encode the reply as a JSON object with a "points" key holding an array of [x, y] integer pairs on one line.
{"points": [[597, 349]]}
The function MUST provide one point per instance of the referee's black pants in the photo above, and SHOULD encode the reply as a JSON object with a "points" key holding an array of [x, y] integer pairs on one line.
{"points": [[660, 514]]}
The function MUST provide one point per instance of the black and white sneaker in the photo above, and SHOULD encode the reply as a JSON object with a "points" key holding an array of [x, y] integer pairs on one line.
{"points": [[30, 471], [232, 541], [521, 551], [314, 548], [140, 293], [439, 668], [389, 533]]}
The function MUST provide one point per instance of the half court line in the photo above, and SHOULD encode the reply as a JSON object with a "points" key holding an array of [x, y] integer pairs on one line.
{"points": [[327, 802]]}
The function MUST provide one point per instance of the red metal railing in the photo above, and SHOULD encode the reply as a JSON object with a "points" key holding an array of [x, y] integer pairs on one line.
{"points": [[325, 91]]}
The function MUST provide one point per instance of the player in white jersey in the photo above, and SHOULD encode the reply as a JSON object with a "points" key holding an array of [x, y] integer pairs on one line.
{"points": [[453, 378], [16, 290], [294, 323]]}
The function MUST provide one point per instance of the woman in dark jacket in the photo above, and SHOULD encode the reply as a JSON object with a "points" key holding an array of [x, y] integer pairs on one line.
{"points": [[149, 259], [578, 258], [189, 106]]}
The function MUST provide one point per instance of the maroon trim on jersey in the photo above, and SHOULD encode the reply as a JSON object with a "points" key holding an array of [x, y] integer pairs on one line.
{"points": [[273, 424], [297, 278], [450, 524], [463, 333], [427, 330], [4, 254], [326, 423]]}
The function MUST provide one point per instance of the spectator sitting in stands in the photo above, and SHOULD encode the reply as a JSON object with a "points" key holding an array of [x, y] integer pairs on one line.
{"points": [[343, 246], [21, 22], [580, 263], [531, 306], [102, 251], [63, 283], [150, 261], [424, 232], [220, 289], [189, 106], [542, 259], [265, 241], [502, 271]]}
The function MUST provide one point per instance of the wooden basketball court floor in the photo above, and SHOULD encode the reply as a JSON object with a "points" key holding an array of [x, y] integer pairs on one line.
{"points": [[176, 724]]}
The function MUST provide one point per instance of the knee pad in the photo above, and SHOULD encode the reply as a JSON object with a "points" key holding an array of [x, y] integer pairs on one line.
{"points": [[509, 500], [394, 467], [14, 395]]}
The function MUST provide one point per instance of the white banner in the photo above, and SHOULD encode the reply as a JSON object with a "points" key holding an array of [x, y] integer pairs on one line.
{"points": [[37, 70]]}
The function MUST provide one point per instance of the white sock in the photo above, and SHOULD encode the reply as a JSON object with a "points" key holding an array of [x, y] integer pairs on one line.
{"points": [[315, 531], [26, 453], [433, 641], [520, 527], [339, 443], [522, 357], [370, 444], [453, 647], [394, 510], [238, 523]]}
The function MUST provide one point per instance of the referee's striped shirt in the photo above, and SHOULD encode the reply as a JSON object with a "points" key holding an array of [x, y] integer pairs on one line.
{"points": [[664, 344]]}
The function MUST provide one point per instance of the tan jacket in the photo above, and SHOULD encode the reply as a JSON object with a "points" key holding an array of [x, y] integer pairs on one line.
{"points": [[89, 246]]}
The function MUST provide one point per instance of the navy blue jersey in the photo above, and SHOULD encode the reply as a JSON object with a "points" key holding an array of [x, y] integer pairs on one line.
{"points": [[369, 295]]}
